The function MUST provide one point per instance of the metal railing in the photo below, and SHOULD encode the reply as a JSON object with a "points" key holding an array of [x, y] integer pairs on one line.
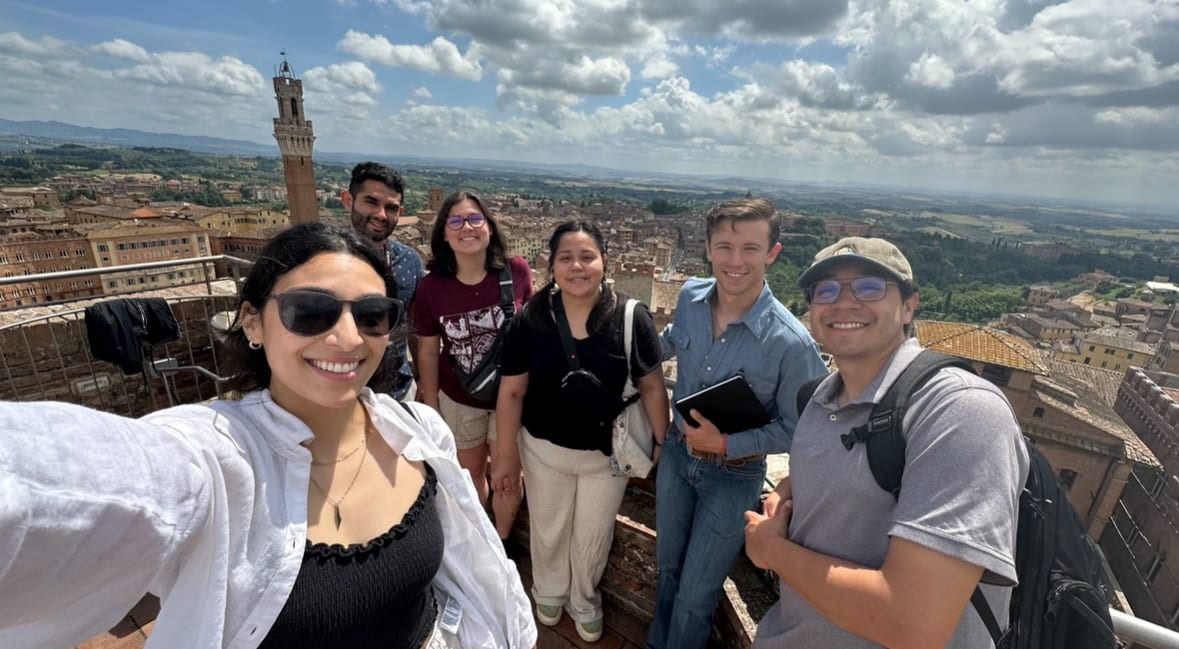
{"points": [[48, 357]]}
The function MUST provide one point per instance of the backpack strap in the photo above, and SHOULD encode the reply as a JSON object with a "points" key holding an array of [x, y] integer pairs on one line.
{"points": [[566, 335], [983, 608], [884, 434], [628, 336], [507, 297], [409, 410], [806, 392]]}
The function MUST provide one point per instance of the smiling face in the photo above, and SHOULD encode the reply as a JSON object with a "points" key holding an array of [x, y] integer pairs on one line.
{"points": [[374, 208], [855, 331], [468, 240], [740, 252], [330, 369], [579, 265]]}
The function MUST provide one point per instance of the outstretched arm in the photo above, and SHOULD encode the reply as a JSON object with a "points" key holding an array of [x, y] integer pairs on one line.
{"points": [[94, 509]]}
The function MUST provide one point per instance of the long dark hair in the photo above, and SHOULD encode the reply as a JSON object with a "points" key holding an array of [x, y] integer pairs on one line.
{"points": [[538, 310], [288, 250], [442, 259]]}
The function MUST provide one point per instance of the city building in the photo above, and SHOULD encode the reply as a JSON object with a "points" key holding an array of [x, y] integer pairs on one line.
{"points": [[1142, 540], [295, 139]]}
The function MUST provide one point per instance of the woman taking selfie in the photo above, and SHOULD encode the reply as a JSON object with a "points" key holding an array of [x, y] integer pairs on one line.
{"points": [[309, 513], [472, 289], [573, 494]]}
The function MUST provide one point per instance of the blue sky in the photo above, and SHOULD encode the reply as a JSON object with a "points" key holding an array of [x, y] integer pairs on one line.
{"points": [[1075, 98]]}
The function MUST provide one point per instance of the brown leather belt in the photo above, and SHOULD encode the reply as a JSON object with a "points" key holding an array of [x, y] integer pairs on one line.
{"points": [[717, 458]]}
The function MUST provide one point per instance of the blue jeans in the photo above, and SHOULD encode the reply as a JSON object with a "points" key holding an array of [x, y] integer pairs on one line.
{"points": [[700, 528]]}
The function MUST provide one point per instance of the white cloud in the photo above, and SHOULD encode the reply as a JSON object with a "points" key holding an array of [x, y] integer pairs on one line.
{"points": [[122, 49], [352, 75], [422, 91], [46, 46], [198, 71], [440, 56], [931, 71], [659, 66]]}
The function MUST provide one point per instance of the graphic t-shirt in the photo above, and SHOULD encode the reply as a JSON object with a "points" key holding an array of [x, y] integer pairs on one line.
{"points": [[468, 318]]}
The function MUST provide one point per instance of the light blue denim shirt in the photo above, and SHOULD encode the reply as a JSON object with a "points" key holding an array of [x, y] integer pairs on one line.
{"points": [[768, 346]]}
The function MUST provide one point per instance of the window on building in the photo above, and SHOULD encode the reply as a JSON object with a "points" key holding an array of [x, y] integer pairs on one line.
{"points": [[1156, 566], [20, 257], [997, 374], [1038, 412], [112, 284], [1117, 367], [1104, 364], [1129, 356], [1088, 359], [3, 259], [1092, 348], [102, 247], [1067, 477]]}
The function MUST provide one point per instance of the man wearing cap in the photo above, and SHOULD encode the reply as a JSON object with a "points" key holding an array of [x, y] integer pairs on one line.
{"points": [[726, 325], [858, 567]]}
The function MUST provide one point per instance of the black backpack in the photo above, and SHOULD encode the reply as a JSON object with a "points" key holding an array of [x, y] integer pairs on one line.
{"points": [[1061, 597]]}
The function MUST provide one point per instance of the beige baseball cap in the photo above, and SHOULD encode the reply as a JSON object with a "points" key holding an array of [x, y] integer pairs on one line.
{"points": [[877, 253]]}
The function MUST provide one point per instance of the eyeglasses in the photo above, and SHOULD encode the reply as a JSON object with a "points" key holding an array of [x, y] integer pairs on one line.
{"points": [[456, 222], [864, 289], [311, 313]]}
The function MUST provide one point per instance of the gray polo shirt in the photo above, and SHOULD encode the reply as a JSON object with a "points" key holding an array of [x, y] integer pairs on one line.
{"points": [[965, 467]]}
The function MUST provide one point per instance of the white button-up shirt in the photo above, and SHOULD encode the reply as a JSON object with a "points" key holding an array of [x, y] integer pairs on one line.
{"points": [[206, 506]]}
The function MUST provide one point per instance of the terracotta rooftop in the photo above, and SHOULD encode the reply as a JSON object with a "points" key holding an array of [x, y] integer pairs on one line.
{"points": [[1096, 390], [982, 344]]}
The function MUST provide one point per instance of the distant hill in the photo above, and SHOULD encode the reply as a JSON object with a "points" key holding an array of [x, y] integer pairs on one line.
{"points": [[130, 138]]}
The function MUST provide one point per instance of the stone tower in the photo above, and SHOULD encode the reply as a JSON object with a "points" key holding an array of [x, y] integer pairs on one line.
{"points": [[295, 139], [435, 200]]}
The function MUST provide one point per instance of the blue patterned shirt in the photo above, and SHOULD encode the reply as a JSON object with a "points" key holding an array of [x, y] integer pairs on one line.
{"points": [[407, 270]]}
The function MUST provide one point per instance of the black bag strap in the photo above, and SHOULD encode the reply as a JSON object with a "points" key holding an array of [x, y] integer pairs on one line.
{"points": [[806, 392], [409, 410], [566, 334], [883, 433], [507, 297], [983, 608]]}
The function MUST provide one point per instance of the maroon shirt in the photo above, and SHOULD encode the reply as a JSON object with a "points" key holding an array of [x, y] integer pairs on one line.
{"points": [[468, 318]]}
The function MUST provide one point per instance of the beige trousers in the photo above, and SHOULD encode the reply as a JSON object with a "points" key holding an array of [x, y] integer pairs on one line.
{"points": [[572, 502]]}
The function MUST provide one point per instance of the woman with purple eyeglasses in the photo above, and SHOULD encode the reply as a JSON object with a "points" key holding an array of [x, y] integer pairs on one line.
{"points": [[471, 291], [312, 512]]}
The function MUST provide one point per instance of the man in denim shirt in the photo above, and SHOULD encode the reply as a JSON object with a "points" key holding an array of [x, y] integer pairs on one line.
{"points": [[727, 325], [375, 201]]}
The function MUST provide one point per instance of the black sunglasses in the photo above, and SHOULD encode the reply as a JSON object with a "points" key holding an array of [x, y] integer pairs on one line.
{"points": [[311, 313]]}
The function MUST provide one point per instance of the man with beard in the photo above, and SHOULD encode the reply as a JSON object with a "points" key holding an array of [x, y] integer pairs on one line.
{"points": [[375, 200]]}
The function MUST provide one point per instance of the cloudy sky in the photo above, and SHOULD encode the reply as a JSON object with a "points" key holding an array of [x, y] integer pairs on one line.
{"points": [[1043, 97]]}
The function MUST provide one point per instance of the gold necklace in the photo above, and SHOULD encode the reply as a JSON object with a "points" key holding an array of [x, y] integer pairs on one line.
{"points": [[336, 503], [347, 455]]}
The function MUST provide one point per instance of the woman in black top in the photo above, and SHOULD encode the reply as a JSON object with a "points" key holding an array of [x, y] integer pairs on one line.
{"points": [[572, 494]]}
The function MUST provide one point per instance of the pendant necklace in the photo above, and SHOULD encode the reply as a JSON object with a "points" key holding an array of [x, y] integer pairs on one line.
{"points": [[336, 503]]}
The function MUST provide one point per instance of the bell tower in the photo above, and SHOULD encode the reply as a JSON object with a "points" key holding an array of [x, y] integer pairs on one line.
{"points": [[295, 139]]}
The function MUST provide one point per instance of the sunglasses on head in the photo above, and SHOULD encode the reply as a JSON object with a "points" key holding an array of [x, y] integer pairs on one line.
{"points": [[864, 289], [311, 313], [475, 219]]}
